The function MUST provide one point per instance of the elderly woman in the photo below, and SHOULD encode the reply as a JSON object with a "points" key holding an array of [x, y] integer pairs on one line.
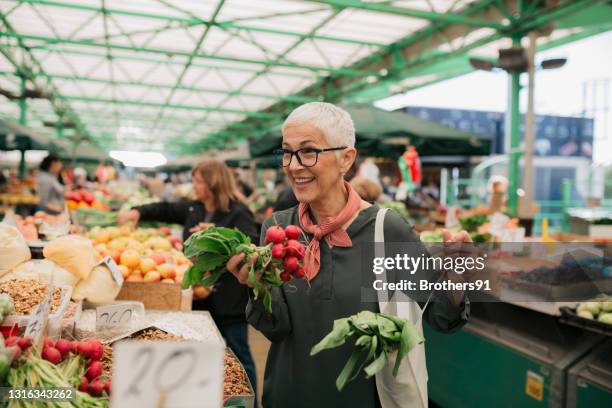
{"points": [[317, 150]]}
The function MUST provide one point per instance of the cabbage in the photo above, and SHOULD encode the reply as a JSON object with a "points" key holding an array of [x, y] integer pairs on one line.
{"points": [[592, 307], [605, 318], [99, 287], [606, 306], [585, 314]]}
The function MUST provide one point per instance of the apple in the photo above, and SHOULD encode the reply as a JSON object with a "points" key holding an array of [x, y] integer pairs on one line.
{"points": [[165, 230], [167, 271], [130, 258], [125, 271], [147, 264], [101, 248], [167, 280], [152, 276], [158, 258], [134, 278], [116, 254]]}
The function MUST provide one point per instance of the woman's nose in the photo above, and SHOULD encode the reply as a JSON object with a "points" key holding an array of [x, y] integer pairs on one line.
{"points": [[295, 164]]}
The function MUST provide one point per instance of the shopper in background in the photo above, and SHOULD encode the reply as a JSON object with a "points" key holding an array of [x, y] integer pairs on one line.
{"points": [[367, 189], [216, 204], [50, 189], [317, 151], [243, 187]]}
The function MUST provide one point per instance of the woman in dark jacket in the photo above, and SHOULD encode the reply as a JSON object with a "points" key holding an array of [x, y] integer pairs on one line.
{"points": [[216, 204]]}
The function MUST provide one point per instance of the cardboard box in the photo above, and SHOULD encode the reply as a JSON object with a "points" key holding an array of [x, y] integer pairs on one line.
{"points": [[157, 295]]}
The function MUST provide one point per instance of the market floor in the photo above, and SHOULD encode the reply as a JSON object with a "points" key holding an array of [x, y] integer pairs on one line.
{"points": [[259, 348]]}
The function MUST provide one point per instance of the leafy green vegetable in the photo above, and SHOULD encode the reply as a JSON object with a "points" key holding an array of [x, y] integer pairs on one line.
{"points": [[213, 248], [377, 335], [471, 224], [397, 206], [431, 236]]}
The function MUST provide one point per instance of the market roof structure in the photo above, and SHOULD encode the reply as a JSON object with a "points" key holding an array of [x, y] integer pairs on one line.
{"points": [[191, 75]]}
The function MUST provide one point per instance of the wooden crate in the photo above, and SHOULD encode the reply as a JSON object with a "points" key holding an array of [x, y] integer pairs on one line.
{"points": [[157, 295]]}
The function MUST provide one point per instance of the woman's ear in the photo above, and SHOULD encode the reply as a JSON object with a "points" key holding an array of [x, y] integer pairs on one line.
{"points": [[347, 159]]}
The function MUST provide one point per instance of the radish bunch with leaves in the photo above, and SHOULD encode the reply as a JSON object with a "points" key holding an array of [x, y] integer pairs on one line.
{"points": [[376, 335], [279, 260]]}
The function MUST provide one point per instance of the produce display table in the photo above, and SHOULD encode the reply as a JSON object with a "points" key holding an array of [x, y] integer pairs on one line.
{"points": [[527, 355], [590, 380]]}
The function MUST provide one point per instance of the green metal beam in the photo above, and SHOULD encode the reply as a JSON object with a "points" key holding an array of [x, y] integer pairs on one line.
{"points": [[29, 67], [160, 104], [170, 52], [131, 57], [422, 14], [281, 56], [186, 22], [179, 80]]}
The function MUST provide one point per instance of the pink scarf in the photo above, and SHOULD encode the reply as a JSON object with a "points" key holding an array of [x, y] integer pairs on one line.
{"points": [[330, 228]]}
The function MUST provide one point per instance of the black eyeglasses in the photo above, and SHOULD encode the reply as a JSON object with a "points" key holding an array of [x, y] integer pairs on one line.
{"points": [[307, 157]]}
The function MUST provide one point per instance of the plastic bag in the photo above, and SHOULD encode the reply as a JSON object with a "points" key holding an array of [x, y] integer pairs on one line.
{"points": [[73, 253], [13, 248]]}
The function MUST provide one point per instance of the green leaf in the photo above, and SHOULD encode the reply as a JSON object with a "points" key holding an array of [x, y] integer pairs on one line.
{"points": [[363, 340], [348, 369], [373, 347], [209, 261], [212, 244], [267, 301], [187, 281], [409, 338], [212, 278], [365, 320], [340, 331], [377, 365], [387, 328], [251, 278]]}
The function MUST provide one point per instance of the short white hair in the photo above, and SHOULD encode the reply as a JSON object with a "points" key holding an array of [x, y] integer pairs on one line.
{"points": [[334, 122]]}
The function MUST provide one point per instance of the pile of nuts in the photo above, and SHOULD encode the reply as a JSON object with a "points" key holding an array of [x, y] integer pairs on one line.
{"points": [[156, 334], [107, 360], [27, 294], [235, 382]]}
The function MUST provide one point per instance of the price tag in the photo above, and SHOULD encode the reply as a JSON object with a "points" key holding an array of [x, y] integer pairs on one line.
{"points": [[38, 320], [534, 386], [181, 374], [117, 315], [110, 263]]}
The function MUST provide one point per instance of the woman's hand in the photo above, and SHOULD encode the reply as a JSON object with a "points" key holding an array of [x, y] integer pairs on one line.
{"points": [[132, 215], [461, 236], [240, 268], [201, 226]]}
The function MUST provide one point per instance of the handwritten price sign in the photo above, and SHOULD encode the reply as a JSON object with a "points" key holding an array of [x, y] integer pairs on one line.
{"points": [[38, 321], [181, 374], [117, 315]]}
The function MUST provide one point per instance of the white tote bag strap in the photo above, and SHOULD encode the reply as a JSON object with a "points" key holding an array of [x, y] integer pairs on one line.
{"points": [[409, 388], [379, 252]]}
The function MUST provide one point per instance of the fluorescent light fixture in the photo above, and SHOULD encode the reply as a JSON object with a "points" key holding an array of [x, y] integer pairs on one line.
{"points": [[138, 159], [31, 156]]}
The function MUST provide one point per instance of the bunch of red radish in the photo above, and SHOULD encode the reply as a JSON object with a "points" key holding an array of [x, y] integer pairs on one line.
{"points": [[92, 350], [287, 250], [22, 343]]}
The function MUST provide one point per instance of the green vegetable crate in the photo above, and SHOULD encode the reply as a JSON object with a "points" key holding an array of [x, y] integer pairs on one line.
{"points": [[506, 356], [590, 380]]}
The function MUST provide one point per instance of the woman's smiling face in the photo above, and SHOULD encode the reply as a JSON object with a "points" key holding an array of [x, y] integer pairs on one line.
{"points": [[313, 184]]}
